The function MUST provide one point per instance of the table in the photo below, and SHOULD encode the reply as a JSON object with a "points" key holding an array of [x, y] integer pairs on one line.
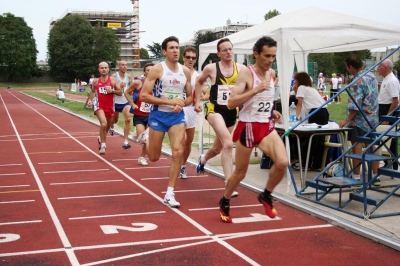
{"points": [[307, 131]]}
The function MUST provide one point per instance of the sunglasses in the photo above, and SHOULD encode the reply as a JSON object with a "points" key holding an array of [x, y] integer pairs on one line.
{"points": [[189, 57]]}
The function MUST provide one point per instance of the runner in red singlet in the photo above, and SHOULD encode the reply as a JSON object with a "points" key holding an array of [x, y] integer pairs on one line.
{"points": [[102, 99]]}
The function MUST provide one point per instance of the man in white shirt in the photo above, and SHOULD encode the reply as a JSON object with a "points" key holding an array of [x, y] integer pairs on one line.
{"points": [[339, 86], [60, 95], [334, 88], [388, 97]]}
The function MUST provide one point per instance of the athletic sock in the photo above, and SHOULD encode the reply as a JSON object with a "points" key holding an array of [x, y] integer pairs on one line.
{"points": [[103, 145], [225, 201], [125, 141], [203, 159], [266, 194], [170, 191]]}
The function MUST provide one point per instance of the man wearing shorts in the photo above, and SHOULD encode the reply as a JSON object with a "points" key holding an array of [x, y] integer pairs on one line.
{"points": [[121, 104], [223, 76], [365, 94], [189, 59], [140, 110], [254, 90], [164, 88], [102, 98]]}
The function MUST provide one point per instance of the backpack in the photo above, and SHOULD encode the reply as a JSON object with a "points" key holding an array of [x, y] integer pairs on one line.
{"points": [[266, 162], [335, 169]]}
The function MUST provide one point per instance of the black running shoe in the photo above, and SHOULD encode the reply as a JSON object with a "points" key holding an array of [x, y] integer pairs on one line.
{"points": [[224, 212], [268, 205]]}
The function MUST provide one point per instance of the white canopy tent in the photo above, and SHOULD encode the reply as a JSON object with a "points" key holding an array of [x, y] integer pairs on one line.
{"points": [[310, 30]]}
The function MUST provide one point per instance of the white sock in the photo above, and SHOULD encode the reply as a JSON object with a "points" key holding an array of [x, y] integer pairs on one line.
{"points": [[170, 191], [183, 166], [103, 145], [203, 160], [125, 141]]}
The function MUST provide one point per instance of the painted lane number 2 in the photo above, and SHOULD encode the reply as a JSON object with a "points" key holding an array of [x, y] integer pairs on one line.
{"points": [[136, 227]]}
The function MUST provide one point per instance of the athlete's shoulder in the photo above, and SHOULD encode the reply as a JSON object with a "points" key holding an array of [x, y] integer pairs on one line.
{"points": [[240, 67]]}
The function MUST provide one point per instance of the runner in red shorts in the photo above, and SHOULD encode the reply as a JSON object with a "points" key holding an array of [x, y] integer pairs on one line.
{"points": [[254, 91], [102, 99]]}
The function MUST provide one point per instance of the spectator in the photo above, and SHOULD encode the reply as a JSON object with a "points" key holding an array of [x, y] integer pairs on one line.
{"points": [[334, 86], [365, 95], [309, 99], [60, 95], [340, 81], [321, 82]]}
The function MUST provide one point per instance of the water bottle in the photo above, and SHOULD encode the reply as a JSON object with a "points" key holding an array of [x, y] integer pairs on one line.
{"points": [[292, 113]]}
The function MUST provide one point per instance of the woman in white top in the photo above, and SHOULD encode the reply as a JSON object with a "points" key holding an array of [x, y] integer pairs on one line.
{"points": [[310, 99]]}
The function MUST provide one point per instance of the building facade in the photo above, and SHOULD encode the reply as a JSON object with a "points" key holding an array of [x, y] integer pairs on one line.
{"points": [[124, 24]]}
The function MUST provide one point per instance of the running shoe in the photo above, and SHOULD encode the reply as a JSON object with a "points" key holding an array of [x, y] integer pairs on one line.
{"points": [[377, 182], [235, 193], [126, 145], [183, 173], [102, 150], [142, 161], [170, 201], [200, 166], [268, 205], [142, 138], [99, 141], [224, 212], [111, 131]]}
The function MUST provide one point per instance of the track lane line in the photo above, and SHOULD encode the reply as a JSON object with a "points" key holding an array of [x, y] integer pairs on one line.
{"points": [[100, 196], [63, 237], [116, 215], [86, 182], [75, 171], [180, 213]]}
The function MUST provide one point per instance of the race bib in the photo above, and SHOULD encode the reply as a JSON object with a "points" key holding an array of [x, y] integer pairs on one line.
{"points": [[145, 107], [224, 91], [262, 106], [103, 90], [170, 93]]}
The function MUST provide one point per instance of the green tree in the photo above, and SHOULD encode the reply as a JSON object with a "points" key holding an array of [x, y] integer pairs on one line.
{"points": [[325, 63], [205, 37], [144, 54], [271, 14], [75, 48], [17, 48], [339, 58], [155, 49], [396, 66]]}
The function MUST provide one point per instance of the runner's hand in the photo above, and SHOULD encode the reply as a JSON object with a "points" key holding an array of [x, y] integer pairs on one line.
{"points": [[198, 107], [263, 86], [134, 106], [178, 101], [89, 103], [177, 109]]}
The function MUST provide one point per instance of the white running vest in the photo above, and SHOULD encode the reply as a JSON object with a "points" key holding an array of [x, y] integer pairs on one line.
{"points": [[171, 85], [121, 99], [259, 107]]}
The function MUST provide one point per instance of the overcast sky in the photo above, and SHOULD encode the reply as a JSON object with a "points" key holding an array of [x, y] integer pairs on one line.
{"points": [[182, 18]]}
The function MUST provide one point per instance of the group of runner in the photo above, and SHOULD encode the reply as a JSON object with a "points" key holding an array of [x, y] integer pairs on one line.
{"points": [[163, 101]]}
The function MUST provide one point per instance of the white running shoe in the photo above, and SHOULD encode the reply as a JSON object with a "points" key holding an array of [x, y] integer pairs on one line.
{"points": [[142, 161], [142, 138], [171, 201], [235, 193], [183, 173]]}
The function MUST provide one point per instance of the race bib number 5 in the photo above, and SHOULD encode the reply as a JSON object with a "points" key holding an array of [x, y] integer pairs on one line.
{"points": [[224, 91], [262, 106]]}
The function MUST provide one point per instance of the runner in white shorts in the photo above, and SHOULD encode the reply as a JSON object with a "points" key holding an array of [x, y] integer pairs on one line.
{"points": [[189, 59]]}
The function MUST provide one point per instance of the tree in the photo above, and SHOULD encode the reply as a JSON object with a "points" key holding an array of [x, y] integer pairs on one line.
{"points": [[205, 37], [325, 63], [155, 49], [144, 54], [17, 48], [75, 48], [396, 66], [271, 14], [339, 58]]}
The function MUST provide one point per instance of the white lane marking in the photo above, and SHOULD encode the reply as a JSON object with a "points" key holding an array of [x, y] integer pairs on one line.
{"points": [[24, 135], [195, 190], [154, 195], [147, 167], [85, 182], [136, 227], [63, 237], [116, 215], [11, 164], [15, 186], [22, 222], [254, 217], [94, 161], [19, 201], [55, 138], [232, 207], [117, 160], [101, 196], [76, 171], [13, 174], [24, 253], [166, 177]]}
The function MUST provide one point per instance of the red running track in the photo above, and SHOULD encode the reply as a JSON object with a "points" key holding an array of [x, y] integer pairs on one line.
{"points": [[63, 204]]}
